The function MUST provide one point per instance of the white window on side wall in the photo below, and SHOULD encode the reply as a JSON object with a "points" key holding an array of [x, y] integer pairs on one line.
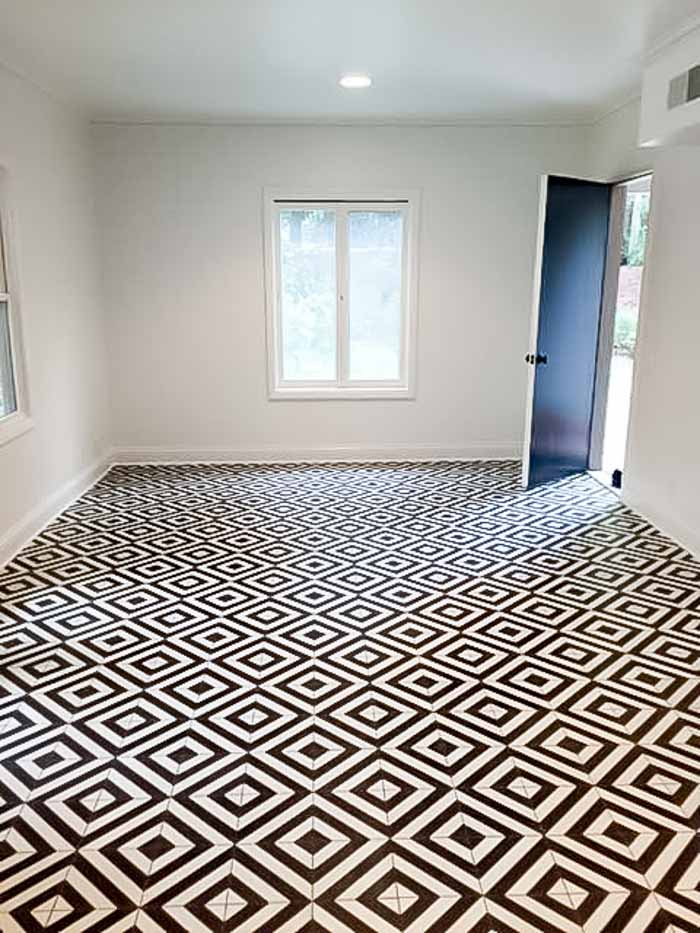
{"points": [[14, 417], [341, 296]]}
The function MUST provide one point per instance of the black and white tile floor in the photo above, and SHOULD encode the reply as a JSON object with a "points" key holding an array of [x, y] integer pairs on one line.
{"points": [[349, 697]]}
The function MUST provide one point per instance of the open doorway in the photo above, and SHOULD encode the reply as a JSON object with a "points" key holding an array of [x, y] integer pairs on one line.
{"points": [[591, 249], [629, 226]]}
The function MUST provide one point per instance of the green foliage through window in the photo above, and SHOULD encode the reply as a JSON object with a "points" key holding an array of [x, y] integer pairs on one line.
{"points": [[634, 229], [635, 226]]}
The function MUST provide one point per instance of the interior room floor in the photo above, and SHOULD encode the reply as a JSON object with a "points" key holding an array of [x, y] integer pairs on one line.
{"points": [[349, 697]]}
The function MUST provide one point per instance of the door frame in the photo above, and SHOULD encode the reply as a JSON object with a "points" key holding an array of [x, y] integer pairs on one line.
{"points": [[606, 331], [607, 319]]}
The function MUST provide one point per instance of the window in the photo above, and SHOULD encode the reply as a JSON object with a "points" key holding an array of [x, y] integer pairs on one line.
{"points": [[341, 296], [13, 418]]}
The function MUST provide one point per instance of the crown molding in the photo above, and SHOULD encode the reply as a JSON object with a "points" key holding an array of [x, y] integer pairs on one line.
{"points": [[367, 122], [611, 111], [662, 42]]}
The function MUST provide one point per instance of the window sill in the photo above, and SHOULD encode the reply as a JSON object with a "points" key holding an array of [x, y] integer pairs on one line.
{"points": [[13, 426], [365, 393]]}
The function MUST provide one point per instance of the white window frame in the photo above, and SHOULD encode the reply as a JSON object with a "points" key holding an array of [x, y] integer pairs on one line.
{"points": [[19, 421], [408, 203]]}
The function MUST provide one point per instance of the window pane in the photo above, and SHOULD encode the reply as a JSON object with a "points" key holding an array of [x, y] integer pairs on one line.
{"points": [[8, 399], [307, 248], [375, 240]]}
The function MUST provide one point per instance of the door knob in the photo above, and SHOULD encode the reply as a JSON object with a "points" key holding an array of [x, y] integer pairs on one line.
{"points": [[541, 358]]}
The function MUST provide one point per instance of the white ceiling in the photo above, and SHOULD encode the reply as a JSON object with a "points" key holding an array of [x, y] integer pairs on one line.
{"points": [[270, 60]]}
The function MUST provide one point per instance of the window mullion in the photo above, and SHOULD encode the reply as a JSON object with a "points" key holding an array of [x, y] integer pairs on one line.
{"points": [[342, 278]]}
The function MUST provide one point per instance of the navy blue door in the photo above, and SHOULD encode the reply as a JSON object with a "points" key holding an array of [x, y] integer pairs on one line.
{"points": [[571, 291]]}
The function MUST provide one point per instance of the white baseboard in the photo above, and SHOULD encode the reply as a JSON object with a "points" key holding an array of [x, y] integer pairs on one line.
{"points": [[312, 454], [22, 532], [670, 525]]}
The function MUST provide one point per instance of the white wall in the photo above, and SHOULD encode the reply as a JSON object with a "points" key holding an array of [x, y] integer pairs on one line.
{"points": [[614, 149], [664, 452], [180, 211], [181, 257], [46, 153], [657, 123], [662, 473]]}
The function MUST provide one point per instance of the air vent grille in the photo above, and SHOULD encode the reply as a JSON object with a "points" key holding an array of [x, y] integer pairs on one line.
{"points": [[684, 88]]}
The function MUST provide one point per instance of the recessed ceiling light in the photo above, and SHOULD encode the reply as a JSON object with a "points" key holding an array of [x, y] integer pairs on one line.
{"points": [[355, 81]]}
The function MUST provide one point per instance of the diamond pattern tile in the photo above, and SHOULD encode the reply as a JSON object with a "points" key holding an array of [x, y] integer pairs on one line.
{"points": [[349, 697]]}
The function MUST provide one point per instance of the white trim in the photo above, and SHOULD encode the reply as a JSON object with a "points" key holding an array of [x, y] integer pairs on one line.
{"points": [[681, 30], [426, 121], [31, 524], [594, 179], [673, 527], [534, 325], [627, 178], [339, 454], [606, 330], [342, 291], [342, 201], [341, 394], [642, 317], [604, 358], [620, 104]]}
